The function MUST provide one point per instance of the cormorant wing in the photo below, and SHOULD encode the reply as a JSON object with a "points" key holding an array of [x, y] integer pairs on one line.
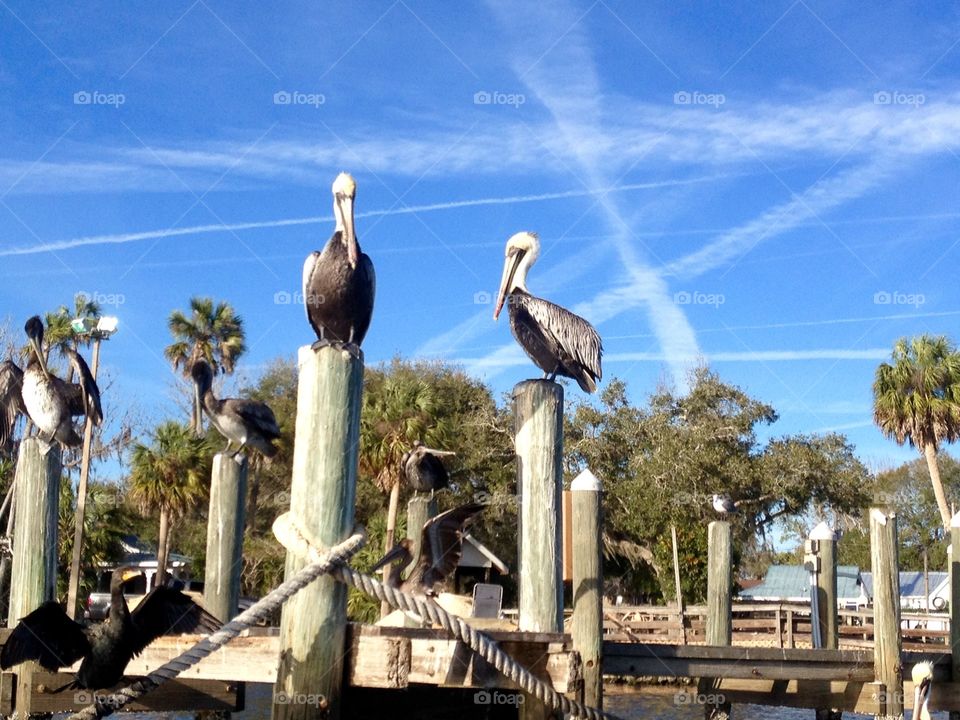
{"points": [[87, 400], [259, 415], [11, 400], [442, 536], [48, 636], [165, 611], [571, 333]]}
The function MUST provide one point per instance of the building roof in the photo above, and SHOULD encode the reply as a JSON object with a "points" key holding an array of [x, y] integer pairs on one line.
{"points": [[911, 584], [792, 582], [476, 554]]}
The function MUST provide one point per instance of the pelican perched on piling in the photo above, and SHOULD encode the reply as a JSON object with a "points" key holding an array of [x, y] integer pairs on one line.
{"points": [[339, 283], [423, 469], [11, 402], [558, 342], [922, 675], [52, 403], [50, 637], [240, 421], [440, 547]]}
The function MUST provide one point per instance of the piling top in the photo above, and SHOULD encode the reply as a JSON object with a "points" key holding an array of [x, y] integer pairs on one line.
{"points": [[823, 532], [955, 521], [586, 481], [880, 516]]}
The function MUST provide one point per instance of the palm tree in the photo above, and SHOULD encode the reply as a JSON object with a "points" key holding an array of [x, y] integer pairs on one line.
{"points": [[169, 477], [213, 332], [916, 399], [59, 333]]}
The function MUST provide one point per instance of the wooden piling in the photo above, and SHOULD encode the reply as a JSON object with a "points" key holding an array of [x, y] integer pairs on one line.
{"points": [[886, 613], [322, 495], [538, 413], [33, 576], [719, 605], [954, 557], [228, 492], [420, 508], [823, 542], [588, 584]]}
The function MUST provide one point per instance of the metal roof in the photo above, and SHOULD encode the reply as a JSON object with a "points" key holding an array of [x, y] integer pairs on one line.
{"points": [[792, 582], [911, 584]]}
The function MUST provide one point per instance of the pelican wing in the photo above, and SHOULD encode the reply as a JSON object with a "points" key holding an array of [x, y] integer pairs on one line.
{"points": [[308, 267], [366, 277], [577, 341], [258, 415], [11, 400], [84, 397], [442, 538], [166, 611], [48, 636]]}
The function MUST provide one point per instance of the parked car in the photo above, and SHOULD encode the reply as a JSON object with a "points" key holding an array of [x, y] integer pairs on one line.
{"points": [[134, 590]]}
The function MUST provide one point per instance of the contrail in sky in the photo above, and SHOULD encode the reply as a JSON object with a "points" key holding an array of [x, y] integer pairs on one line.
{"points": [[123, 238]]}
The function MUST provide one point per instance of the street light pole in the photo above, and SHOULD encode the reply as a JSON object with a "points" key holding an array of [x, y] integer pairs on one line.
{"points": [[105, 327]]}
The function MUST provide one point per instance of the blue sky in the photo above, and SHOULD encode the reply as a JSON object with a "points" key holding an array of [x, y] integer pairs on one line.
{"points": [[768, 188]]}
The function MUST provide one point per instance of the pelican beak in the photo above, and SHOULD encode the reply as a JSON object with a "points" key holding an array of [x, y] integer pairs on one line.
{"points": [[129, 574], [440, 453], [921, 698], [506, 281], [43, 363], [349, 230], [397, 553]]}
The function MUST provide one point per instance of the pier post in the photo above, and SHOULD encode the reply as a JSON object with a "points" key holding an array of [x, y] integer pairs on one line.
{"points": [[228, 492], [954, 556], [33, 576], [719, 604], [588, 584], [538, 412], [420, 508], [823, 549], [886, 613], [322, 494]]}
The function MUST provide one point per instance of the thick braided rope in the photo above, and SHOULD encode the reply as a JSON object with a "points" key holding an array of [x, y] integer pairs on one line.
{"points": [[259, 611]]}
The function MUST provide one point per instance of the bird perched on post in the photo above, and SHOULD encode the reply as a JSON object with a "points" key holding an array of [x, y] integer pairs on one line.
{"points": [[51, 638], [724, 505], [52, 403], [240, 421], [339, 283], [440, 548], [558, 342], [423, 469]]}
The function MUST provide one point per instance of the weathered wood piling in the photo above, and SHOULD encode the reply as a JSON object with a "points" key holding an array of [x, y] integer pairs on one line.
{"points": [[719, 604], [225, 522], [420, 508], [884, 563], [822, 547], [33, 576], [588, 584], [538, 413], [954, 557], [322, 495]]}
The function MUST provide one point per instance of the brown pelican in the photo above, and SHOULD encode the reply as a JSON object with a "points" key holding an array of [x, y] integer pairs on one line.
{"points": [[11, 402], [423, 469], [339, 283], [558, 342], [50, 637], [51, 402], [922, 675], [440, 545], [245, 422]]}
